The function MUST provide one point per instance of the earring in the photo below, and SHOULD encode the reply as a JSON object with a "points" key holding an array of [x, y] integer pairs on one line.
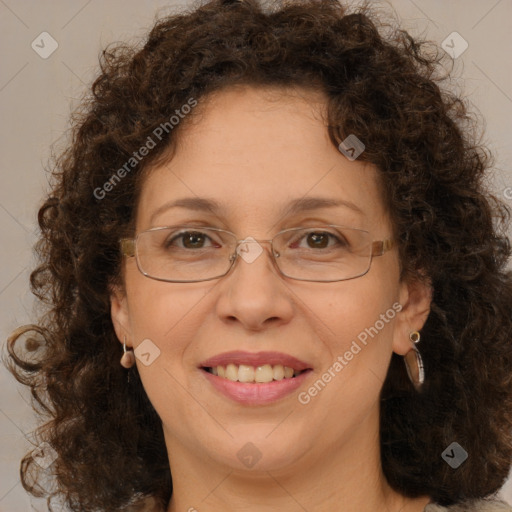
{"points": [[414, 363], [128, 358]]}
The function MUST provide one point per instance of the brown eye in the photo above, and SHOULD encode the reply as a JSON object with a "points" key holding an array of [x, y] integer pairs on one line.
{"points": [[320, 240], [190, 240], [193, 240]]}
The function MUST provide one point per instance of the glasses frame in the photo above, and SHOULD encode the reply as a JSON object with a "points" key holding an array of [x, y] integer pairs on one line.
{"points": [[128, 248]]}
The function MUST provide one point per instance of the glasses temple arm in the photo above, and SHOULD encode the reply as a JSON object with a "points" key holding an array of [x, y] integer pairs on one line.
{"points": [[381, 246], [127, 246]]}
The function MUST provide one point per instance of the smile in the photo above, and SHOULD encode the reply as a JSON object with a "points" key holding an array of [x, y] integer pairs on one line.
{"points": [[255, 378], [258, 374]]}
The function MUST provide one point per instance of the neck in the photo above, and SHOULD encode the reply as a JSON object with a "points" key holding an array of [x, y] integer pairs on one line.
{"points": [[347, 478]]}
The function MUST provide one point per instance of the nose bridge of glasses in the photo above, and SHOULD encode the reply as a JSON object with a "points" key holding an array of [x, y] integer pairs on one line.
{"points": [[251, 240]]}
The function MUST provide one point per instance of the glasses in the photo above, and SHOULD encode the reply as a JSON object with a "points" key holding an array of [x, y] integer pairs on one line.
{"points": [[186, 254]]}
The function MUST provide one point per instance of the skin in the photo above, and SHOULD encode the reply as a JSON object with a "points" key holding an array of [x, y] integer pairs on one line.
{"points": [[253, 150]]}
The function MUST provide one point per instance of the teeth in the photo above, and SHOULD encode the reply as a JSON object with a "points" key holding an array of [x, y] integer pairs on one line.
{"points": [[232, 372], [247, 373], [264, 373], [278, 372]]}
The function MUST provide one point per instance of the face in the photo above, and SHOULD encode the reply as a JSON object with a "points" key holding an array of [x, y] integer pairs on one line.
{"points": [[253, 151]]}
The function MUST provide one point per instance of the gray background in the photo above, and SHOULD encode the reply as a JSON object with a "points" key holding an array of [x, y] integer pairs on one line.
{"points": [[36, 96]]}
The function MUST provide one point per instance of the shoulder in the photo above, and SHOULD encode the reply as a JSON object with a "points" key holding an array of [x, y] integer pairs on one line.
{"points": [[472, 506]]}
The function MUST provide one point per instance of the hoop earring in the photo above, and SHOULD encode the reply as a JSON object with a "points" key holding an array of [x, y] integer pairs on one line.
{"points": [[128, 358], [414, 362]]}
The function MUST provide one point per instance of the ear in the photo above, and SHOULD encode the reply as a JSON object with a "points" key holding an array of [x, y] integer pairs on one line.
{"points": [[120, 314], [415, 299]]}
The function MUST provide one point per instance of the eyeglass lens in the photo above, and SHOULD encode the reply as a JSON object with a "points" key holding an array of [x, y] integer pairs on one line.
{"points": [[324, 253]]}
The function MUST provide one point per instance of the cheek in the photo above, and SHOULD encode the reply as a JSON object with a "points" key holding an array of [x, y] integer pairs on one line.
{"points": [[358, 309], [154, 304], [165, 313], [164, 321], [358, 317]]}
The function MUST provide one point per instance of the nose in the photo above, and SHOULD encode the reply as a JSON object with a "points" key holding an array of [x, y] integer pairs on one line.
{"points": [[254, 293]]}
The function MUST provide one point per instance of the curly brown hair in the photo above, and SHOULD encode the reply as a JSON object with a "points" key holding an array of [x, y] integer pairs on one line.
{"points": [[382, 85]]}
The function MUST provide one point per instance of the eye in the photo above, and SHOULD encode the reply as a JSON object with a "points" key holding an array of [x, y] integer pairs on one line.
{"points": [[190, 240], [320, 240]]}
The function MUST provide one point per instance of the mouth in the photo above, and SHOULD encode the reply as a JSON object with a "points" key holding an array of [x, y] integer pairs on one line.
{"points": [[255, 378]]}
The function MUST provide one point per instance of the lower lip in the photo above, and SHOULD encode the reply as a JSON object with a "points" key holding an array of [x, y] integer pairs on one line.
{"points": [[256, 393]]}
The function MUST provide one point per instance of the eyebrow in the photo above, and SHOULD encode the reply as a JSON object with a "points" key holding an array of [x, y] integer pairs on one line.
{"points": [[294, 207]]}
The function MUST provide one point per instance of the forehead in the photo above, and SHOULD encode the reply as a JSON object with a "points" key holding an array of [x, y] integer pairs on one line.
{"points": [[253, 152]]}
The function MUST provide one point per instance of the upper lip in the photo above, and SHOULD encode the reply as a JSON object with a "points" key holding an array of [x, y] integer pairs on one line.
{"points": [[239, 357]]}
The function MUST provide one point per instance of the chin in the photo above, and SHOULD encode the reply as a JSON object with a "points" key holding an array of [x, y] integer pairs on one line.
{"points": [[259, 449]]}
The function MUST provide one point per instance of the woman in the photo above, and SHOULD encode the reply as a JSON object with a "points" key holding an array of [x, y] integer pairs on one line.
{"points": [[262, 216]]}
